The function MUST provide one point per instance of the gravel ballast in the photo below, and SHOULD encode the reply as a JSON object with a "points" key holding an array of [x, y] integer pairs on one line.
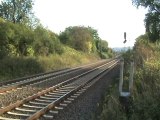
{"points": [[86, 105], [82, 108], [20, 94]]}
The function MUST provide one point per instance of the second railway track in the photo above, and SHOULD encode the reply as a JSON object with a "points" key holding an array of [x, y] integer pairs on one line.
{"points": [[8, 86], [48, 102]]}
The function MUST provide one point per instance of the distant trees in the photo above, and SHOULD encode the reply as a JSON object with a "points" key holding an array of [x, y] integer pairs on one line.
{"points": [[85, 39], [16, 11], [152, 20], [22, 35], [78, 37], [21, 40]]}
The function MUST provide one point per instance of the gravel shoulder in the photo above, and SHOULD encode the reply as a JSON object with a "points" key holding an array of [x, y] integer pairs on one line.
{"points": [[20, 94], [86, 105]]}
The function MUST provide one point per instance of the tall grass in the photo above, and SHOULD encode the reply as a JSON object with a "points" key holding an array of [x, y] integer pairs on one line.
{"points": [[146, 92], [146, 95], [111, 107], [13, 67]]}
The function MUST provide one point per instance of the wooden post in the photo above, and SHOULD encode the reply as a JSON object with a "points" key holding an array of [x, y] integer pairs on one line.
{"points": [[131, 77], [121, 75]]}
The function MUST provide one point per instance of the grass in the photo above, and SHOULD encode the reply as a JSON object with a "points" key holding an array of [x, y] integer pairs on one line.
{"points": [[11, 67], [110, 108], [146, 102]]}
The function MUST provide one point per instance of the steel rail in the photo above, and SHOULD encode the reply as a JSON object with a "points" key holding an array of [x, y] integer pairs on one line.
{"points": [[41, 112], [58, 86], [41, 77]]}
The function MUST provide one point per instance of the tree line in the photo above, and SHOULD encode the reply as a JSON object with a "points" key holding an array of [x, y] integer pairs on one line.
{"points": [[21, 34], [152, 18]]}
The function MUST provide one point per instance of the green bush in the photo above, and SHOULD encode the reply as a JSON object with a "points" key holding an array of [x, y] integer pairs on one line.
{"points": [[146, 92], [15, 39], [13, 67], [146, 104], [77, 37], [46, 42], [112, 109]]}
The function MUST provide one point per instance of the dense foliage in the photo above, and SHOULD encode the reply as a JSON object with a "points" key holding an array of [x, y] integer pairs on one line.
{"points": [[17, 11], [21, 40], [13, 67], [152, 19], [154, 5], [24, 42], [145, 103], [79, 38], [83, 38]]}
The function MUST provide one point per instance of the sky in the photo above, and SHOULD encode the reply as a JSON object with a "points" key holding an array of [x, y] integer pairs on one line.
{"points": [[111, 18]]}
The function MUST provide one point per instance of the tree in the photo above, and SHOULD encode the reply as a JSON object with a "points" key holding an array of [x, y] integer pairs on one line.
{"points": [[104, 46], [152, 19], [17, 11], [46, 42], [94, 34], [78, 37], [154, 5], [15, 39], [96, 39], [152, 24]]}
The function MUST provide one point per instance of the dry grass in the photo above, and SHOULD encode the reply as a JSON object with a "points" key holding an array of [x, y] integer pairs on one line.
{"points": [[25, 66]]}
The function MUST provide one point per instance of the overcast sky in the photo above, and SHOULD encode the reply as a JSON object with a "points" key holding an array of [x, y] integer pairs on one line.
{"points": [[110, 17]]}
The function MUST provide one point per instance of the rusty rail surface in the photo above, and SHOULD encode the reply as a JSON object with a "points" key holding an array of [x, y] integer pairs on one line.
{"points": [[45, 103], [21, 82]]}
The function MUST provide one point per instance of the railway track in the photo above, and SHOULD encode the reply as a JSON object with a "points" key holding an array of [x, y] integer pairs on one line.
{"points": [[8, 86], [47, 103]]}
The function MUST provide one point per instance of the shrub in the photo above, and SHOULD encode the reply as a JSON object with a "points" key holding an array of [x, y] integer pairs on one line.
{"points": [[46, 42], [13, 67]]}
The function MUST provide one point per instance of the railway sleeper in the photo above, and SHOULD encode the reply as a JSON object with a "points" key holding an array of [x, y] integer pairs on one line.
{"points": [[71, 99], [53, 112], [79, 92], [67, 101], [19, 114], [73, 96], [63, 104], [63, 90], [68, 87], [32, 106], [38, 103], [4, 118], [55, 93], [29, 108], [59, 92], [55, 96], [58, 108], [48, 98], [25, 110], [42, 100], [76, 94], [47, 117]]}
